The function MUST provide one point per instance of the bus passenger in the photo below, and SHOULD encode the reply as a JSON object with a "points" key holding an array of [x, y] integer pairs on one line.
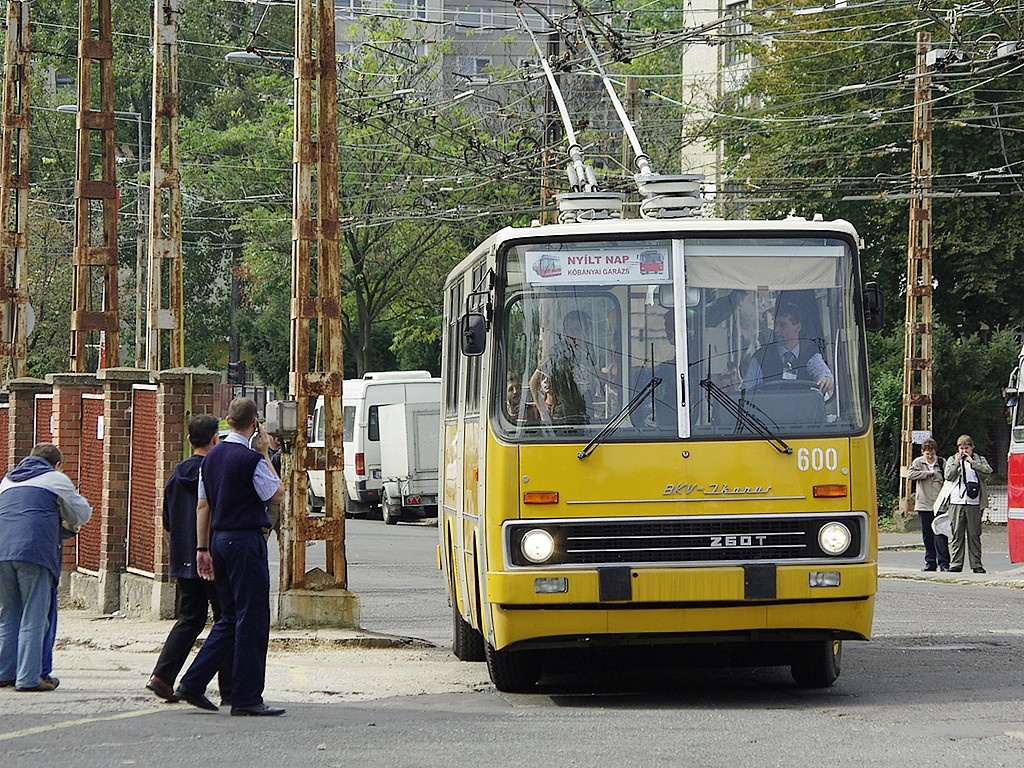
{"points": [[516, 409], [786, 358], [568, 375]]}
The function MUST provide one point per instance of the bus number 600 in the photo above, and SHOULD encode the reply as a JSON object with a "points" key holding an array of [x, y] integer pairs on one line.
{"points": [[817, 459]]}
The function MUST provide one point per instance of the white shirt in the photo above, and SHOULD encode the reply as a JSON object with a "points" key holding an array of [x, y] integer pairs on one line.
{"points": [[959, 493]]}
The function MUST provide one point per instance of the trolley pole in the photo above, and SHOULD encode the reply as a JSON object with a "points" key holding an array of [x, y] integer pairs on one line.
{"points": [[165, 314], [94, 310], [917, 355], [14, 193], [315, 251]]}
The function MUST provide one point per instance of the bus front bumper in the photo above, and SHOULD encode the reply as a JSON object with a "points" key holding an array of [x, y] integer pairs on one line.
{"points": [[684, 603]]}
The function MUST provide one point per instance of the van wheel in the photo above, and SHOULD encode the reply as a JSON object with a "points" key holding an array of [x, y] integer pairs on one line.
{"points": [[312, 507], [467, 643], [391, 512], [817, 664], [513, 671]]}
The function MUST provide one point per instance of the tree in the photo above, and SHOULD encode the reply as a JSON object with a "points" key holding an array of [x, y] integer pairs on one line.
{"points": [[823, 125]]}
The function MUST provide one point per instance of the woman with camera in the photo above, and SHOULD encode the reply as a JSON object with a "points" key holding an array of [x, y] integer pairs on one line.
{"points": [[968, 472]]}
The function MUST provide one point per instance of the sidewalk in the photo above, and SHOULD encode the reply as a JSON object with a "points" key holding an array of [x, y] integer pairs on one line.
{"points": [[901, 555], [136, 635]]}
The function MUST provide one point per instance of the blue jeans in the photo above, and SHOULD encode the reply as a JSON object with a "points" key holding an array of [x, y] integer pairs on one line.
{"points": [[25, 590]]}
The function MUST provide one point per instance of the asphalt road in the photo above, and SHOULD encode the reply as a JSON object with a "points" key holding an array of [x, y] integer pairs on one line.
{"points": [[940, 684]]}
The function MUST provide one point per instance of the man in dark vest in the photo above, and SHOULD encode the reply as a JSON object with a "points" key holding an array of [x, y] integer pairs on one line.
{"points": [[235, 485], [788, 357], [196, 595]]}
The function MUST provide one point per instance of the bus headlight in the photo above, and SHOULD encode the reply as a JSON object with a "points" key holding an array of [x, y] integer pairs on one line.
{"points": [[834, 538], [537, 545]]}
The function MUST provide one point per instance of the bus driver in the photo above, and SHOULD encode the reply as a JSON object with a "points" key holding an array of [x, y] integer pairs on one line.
{"points": [[786, 358]]}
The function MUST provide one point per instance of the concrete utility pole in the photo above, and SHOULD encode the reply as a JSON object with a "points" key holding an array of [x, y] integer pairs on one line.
{"points": [[917, 352], [14, 193], [552, 139], [94, 313], [315, 251], [165, 313]]}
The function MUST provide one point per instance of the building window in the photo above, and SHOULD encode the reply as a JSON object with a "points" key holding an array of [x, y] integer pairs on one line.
{"points": [[413, 9], [475, 68], [735, 31]]}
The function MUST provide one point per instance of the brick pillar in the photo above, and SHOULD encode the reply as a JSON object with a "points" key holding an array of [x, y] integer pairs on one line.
{"points": [[21, 419], [117, 386], [181, 394], [68, 389]]}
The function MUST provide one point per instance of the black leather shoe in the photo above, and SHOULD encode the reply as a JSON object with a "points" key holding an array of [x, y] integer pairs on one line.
{"points": [[161, 688], [955, 569], [256, 710], [928, 568], [6, 683], [195, 699], [980, 570]]}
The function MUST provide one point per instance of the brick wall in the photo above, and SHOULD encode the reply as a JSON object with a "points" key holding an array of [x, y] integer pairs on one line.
{"points": [[91, 483], [142, 509], [44, 412]]}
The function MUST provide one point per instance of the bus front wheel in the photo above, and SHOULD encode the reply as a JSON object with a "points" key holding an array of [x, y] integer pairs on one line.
{"points": [[513, 671], [817, 664]]}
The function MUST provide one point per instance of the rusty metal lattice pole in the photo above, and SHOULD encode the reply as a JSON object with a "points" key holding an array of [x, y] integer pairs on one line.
{"points": [[917, 353], [316, 252], [165, 315], [94, 311], [14, 192]]}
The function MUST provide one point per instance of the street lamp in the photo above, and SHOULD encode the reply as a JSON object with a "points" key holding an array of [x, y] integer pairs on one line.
{"points": [[139, 229]]}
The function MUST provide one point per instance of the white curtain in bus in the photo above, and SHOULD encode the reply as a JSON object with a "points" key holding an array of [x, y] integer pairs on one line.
{"points": [[772, 268]]}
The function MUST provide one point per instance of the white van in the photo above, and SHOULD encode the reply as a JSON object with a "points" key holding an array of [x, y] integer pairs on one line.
{"points": [[361, 400]]}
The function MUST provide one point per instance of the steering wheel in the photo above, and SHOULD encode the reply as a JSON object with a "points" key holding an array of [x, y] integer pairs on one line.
{"points": [[794, 385]]}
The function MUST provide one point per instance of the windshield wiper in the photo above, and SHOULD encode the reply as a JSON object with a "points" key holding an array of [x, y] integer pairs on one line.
{"points": [[621, 416], [743, 416]]}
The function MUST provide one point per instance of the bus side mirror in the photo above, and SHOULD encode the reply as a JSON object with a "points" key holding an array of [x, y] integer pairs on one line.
{"points": [[874, 307], [473, 334]]}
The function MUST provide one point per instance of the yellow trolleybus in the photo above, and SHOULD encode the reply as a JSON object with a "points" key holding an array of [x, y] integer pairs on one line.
{"points": [[658, 431]]}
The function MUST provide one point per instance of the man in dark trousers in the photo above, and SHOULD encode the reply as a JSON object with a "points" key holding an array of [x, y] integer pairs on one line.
{"points": [[235, 484], [196, 596]]}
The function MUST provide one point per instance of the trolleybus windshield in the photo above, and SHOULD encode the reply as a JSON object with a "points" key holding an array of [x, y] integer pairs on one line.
{"points": [[769, 324]]}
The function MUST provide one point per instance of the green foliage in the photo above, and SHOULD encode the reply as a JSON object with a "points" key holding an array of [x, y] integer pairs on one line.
{"points": [[969, 375]]}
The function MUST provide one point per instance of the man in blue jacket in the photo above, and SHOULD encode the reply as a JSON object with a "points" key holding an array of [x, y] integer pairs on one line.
{"points": [[36, 500], [196, 596], [235, 484]]}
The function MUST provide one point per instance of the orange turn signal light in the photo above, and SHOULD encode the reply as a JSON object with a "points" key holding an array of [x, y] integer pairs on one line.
{"points": [[540, 497], [829, 491]]}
